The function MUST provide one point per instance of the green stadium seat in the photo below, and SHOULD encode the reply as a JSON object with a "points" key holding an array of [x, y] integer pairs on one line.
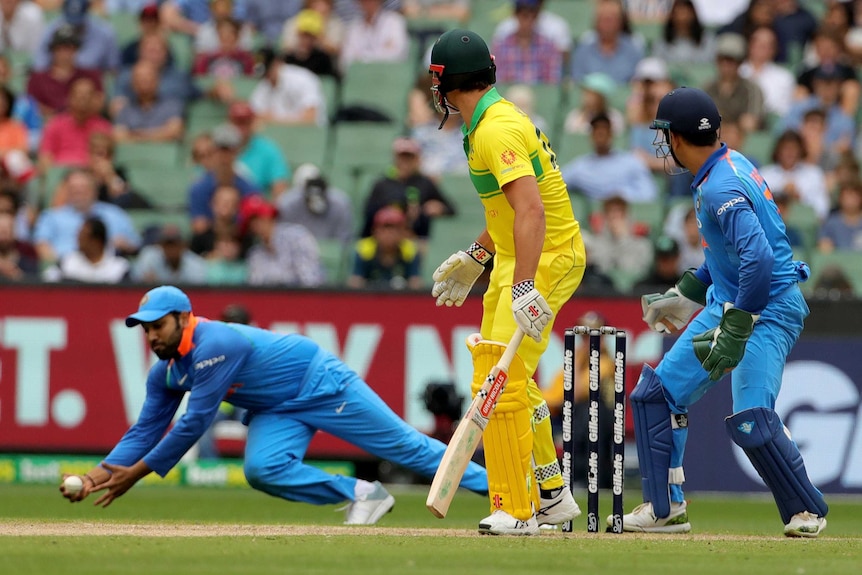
{"points": [[203, 116], [758, 145], [850, 262], [803, 218], [333, 256], [363, 145], [650, 213], [49, 182], [165, 187], [300, 144], [578, 13], [548, 104], [149, 154], [570, 146], [380, 85], [460, 191], [145, 220], [448, 235], [183, 51], [356, 182], [126, 27], [487, 14], [582, 207]]}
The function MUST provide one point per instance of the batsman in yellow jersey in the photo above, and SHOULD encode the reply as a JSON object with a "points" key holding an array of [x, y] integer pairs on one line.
{"points": [[535, 243]]}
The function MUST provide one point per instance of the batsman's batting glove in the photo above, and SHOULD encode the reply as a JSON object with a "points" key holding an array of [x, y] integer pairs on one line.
{"points": [[720, 349], [530, 309], [454, 278], [670, 311]]}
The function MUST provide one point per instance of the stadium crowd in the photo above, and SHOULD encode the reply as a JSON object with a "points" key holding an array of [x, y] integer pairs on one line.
{"points": [[294, 142]]}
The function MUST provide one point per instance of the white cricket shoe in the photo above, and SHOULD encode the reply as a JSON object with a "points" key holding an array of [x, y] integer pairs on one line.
{"points": [[557, 506], [642, 519], [368, 508], [501, 523], [805, 524]]}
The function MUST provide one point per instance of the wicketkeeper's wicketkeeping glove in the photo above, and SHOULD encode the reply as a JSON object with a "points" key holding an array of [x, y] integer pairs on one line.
{"points": [[720, 349], [671, 311], [454, 278]]}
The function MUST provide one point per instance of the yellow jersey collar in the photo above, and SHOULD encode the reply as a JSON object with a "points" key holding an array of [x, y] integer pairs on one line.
{"points": [[491, 97]]}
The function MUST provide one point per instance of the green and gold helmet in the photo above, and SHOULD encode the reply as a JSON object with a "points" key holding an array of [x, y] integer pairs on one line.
{"points": [[457, 58]]}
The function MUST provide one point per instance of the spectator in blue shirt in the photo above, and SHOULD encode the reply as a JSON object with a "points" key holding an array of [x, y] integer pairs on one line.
{"points": [[56, 231], [610, 47], [98, 49], [268, 16], [149, 117], [227, 140], [260, 159], [606, 172], [186, 16]]}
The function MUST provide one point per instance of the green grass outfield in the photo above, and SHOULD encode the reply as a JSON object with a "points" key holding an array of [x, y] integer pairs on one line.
{"points": [[171, 530]]}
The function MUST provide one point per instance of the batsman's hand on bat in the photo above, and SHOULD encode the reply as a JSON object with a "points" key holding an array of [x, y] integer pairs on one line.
{"points": [[532, 313], [720, 349], [454, 278], [671, 311]]}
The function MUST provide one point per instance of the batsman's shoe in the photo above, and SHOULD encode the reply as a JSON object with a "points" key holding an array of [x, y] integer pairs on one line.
{"points": [[805, 524], [557, 506], [501, 523], [367, 509], [642, 519]]}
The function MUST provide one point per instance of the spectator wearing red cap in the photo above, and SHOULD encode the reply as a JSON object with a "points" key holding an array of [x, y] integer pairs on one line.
{"points": [[260, 159], [408, 188], [285, 254], [149, 24], [389, 258]]}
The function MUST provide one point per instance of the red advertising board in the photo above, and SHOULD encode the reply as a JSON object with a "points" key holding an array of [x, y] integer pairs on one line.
{"points": [[72, 375]]}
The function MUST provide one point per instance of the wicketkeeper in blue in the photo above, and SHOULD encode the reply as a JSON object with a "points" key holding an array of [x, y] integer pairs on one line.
{"points": [[751, 314], [291, 388]]}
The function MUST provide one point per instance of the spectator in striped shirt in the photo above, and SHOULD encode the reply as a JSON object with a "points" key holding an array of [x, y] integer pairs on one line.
{"points": [[525, 56]]}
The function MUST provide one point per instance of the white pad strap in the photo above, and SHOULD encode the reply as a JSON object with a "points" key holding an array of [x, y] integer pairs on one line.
{"points": [[675, 476]]}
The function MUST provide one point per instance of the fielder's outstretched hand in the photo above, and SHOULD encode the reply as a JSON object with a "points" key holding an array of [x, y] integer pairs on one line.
{"points": [[532, 313], [122, 479], [455, 277], [671, 311]]}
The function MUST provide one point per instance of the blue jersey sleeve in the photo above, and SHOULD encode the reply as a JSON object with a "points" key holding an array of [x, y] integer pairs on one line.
{"points": [[741, 228], [215, 363], [156, 414]]}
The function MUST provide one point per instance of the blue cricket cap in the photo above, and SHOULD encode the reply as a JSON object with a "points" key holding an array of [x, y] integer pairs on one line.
{"points": [[75, 11], [687, 111], [159, 302]]}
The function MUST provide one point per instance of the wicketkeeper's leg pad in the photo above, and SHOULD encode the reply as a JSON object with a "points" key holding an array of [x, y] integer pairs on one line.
{"points": [[654, 436], [766, 442], [508, 438]]}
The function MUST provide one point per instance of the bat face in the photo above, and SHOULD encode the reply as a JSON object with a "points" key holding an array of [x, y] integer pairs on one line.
{"points": [[498, 382]]}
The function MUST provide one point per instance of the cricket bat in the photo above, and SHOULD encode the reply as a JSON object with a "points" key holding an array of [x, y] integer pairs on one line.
{"points": [[466, 438]]}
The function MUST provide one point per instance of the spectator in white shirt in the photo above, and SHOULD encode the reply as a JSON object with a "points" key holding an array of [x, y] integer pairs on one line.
{"points": [[21, 26], [791, 174], [378, 36], [775, 81], [288, 94], [93, 261]]}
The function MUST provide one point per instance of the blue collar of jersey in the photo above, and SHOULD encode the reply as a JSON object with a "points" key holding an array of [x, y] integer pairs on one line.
{"points": [[708, 164], [490, 97]]}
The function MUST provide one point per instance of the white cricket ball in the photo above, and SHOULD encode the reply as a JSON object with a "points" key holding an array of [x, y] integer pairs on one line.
{"points": [[73, 484]]}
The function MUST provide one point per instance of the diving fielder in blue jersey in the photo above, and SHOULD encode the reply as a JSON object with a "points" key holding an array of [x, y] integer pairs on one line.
{"points": [[752, 315], [290, 387]]}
